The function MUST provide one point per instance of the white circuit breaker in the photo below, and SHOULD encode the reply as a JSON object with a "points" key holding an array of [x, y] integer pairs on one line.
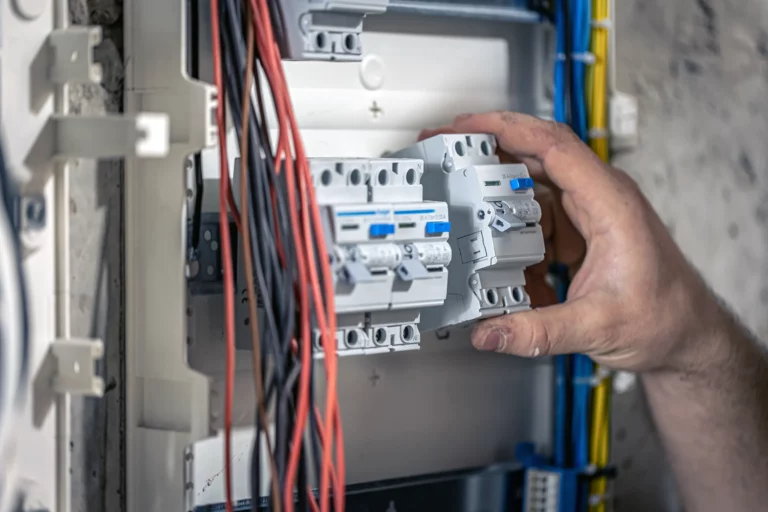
{"points": [[495, 226], [324, 29], [388, 247]]}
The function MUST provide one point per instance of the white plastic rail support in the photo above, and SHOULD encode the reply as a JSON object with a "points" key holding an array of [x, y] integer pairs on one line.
{"points": [[72, 55], [75, 373], [167, 403]]}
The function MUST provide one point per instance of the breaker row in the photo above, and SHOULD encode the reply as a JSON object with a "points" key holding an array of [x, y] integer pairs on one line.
{"points": [[434, 237]]}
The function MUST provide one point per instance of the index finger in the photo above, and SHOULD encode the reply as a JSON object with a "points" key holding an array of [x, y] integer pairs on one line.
{"points": [[566, 160]]}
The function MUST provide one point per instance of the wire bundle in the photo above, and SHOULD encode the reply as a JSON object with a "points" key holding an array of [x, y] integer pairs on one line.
{"points": [[573, 373], [582, 389], [287, 274]]}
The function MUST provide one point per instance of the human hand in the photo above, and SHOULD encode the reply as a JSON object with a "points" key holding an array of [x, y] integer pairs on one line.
{"points": [[562, 241], [635, 303]]}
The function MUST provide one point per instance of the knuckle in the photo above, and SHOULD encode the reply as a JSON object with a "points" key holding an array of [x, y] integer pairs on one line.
{"points": [[561, 134]]}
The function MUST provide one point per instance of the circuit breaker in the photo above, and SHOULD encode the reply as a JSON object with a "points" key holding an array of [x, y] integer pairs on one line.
{"points": [[495, 226], [388, 249], [324, 29]]}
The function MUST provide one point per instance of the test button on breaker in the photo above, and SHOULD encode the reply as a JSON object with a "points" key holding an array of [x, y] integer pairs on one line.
{"points": [[521, 183], [380, 230], [437, 228]]}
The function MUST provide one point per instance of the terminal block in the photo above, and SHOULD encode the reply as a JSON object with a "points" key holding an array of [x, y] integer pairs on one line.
{"points": [[388, 249], [495, 226], [324, 29]]}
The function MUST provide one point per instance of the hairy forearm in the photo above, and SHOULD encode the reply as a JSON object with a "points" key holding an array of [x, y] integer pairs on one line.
{"points": [[713, 420]]}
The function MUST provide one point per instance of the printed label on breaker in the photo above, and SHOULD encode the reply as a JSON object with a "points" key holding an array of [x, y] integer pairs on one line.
{"points": [[379, 255], [437, 253], [527, 210]]}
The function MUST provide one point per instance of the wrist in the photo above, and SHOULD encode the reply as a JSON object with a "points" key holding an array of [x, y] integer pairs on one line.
{"points": [[708, 340], [714, 341]]}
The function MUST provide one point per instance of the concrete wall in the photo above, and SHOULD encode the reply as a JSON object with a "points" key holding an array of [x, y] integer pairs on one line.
{"points": [[700, 69]]}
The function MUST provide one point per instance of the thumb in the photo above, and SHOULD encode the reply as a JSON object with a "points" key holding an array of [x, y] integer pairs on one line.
{"points": [[572, 327]]}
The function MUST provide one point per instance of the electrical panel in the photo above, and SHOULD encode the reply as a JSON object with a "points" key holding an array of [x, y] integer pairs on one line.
{"points": [[439, 235], [402, 264], [495, 220], [324, 29]]}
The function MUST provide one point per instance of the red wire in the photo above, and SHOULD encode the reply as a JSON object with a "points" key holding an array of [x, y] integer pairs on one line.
{"points": [[298, 235], [303, 237], [226, 256]]}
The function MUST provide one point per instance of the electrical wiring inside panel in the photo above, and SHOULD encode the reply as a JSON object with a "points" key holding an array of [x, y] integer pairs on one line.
{"points": [[389, 244], [306, 335]]}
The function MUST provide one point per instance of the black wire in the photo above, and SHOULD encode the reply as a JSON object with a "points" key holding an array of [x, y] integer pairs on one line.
{"points": [[197, 214], [273, 278], [234, 90], [269, 221], [193, 68], [265, 252], [568, 78]]}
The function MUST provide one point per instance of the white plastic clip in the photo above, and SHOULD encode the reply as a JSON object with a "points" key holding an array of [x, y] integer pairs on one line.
{"points": [[145, 135], [597, 499], [75, 372], [606, 23], [598, 133], [584, 57], [72, 55], [600, 375]]}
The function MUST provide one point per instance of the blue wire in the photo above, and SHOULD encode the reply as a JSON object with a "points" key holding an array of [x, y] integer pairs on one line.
{"points": [[580, 13], [561, 382], [561, 362]]}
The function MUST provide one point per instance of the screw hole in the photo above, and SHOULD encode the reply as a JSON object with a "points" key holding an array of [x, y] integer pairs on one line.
{"points": [[518, 295], [485, 148], [492, 297], [410, 176], [459, 147], [383, 177], [352, 338], [355, 177], [408, 333], [321, 40], [381, 335], [350, 42], [326, 177]]}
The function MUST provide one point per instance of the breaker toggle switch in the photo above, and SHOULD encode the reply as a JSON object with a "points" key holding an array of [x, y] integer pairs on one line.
{"points": [[504, 218], [411, 268], [354, 272]]}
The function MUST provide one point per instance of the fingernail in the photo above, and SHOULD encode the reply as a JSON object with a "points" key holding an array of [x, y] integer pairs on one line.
{"points": [[494, 340], [462, 117]]}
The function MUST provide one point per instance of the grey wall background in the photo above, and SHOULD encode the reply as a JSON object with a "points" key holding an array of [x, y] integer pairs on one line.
{"points": [[700, 70]]}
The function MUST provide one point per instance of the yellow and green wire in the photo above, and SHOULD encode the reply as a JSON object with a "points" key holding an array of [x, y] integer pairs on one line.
{"points": [[597, 104]]}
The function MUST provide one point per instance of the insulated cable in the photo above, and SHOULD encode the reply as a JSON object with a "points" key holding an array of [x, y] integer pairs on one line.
{"points": [[226, 248], [248, 265]]}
